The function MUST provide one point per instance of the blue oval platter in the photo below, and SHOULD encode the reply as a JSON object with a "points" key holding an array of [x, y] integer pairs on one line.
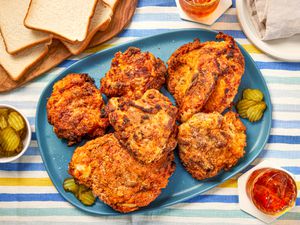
{"points": [[56, 154]]}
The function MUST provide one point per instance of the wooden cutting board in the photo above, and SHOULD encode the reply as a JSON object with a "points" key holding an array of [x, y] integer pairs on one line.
{"points": [[58, 52]]}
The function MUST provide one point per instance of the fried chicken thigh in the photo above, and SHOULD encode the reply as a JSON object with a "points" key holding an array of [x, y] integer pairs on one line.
{"points": [[205, 76], [116, 177], [232, 65], [147, 126], [132, 73], [211, 142], [74, 109]]}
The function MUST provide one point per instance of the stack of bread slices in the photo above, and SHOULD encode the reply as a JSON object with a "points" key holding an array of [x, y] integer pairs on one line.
{"points": [[28, 27]]}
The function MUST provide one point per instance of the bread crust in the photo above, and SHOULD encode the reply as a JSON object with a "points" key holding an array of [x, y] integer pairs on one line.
{"points": [[27, 46], [28, 67], [7, 31], [85, 43], [54, 33]]}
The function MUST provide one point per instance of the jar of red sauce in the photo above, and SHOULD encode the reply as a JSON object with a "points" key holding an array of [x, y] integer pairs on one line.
{"points": [[199, 8], [272, 191]]}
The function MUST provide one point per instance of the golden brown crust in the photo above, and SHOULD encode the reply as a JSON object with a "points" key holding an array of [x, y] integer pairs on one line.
{"points": [[232, 65], [210, 142], [116, 177], [192, 77], [147, 126], [74, 109], [132, 73], [176, 61], [205, 76]]}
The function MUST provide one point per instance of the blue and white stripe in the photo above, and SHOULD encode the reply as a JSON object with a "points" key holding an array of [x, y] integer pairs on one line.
{"points": [[40, 203]]}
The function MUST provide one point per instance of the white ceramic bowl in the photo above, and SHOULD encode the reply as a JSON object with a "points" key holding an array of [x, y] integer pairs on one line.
{"points": [[26, 140]]}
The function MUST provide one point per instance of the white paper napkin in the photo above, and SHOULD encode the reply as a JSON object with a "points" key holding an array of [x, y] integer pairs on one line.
{"points": [[211, 18], [275, 19]]}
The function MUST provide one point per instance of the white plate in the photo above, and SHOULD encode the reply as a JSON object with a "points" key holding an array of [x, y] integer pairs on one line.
{"points": [[286, 49]]}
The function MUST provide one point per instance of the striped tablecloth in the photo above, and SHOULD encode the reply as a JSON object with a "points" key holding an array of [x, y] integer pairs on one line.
{"points": [[27, 195]]}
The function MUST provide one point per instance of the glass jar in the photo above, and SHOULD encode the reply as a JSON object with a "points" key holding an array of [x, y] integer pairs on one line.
{"points": [[199, 8], [271, 190]]}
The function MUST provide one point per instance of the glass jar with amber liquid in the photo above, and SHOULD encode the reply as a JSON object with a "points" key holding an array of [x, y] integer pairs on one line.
{"points": [[272, 191], [199, 8]]}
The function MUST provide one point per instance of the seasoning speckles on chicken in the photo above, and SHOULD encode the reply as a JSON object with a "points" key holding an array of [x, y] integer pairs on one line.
{"points": [[74, 109], [132, 73], [205, 76], [210, 142], [146, 126], [116, 177]]}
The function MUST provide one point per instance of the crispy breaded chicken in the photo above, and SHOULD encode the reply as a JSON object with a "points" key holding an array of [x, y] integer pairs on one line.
{"points": [[205, 76], [147, 126], [232, 64], [132, 73], [116, 177], [74, 109], [191, 78], [211, 142]]}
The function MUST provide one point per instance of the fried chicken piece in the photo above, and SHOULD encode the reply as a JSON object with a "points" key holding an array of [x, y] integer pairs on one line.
{"points": [[190, 79], [232, 65], [116, 177], [211, 142], [147, 126], [205, 75], [74, 109], [132, 73]]}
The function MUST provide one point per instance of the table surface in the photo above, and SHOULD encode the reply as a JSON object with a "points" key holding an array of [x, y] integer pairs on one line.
{"points": [[27, 195]]}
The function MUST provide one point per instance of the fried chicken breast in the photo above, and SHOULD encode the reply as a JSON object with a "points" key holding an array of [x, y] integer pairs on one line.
{"points": [[74, 109], [232, 65], [205, 76], [116, 177], [147, 126], [132, 73], [211, 142]]}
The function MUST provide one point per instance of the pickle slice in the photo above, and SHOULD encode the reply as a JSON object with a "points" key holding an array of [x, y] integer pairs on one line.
{"points": [[16, 121], [3, 122], [243, 105], [86, 196], [255, 113], [82, 193], [9, 139], [3, 112], [253, 94], [71, 186]]}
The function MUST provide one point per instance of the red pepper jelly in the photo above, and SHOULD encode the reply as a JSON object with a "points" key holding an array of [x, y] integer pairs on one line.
{"points": [[272, 191]]}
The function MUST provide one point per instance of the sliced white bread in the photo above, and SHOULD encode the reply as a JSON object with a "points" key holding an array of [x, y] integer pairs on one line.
{"points": [[99, 21], [68, 19], [17, 65], [111, 3], [16, 36]]}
